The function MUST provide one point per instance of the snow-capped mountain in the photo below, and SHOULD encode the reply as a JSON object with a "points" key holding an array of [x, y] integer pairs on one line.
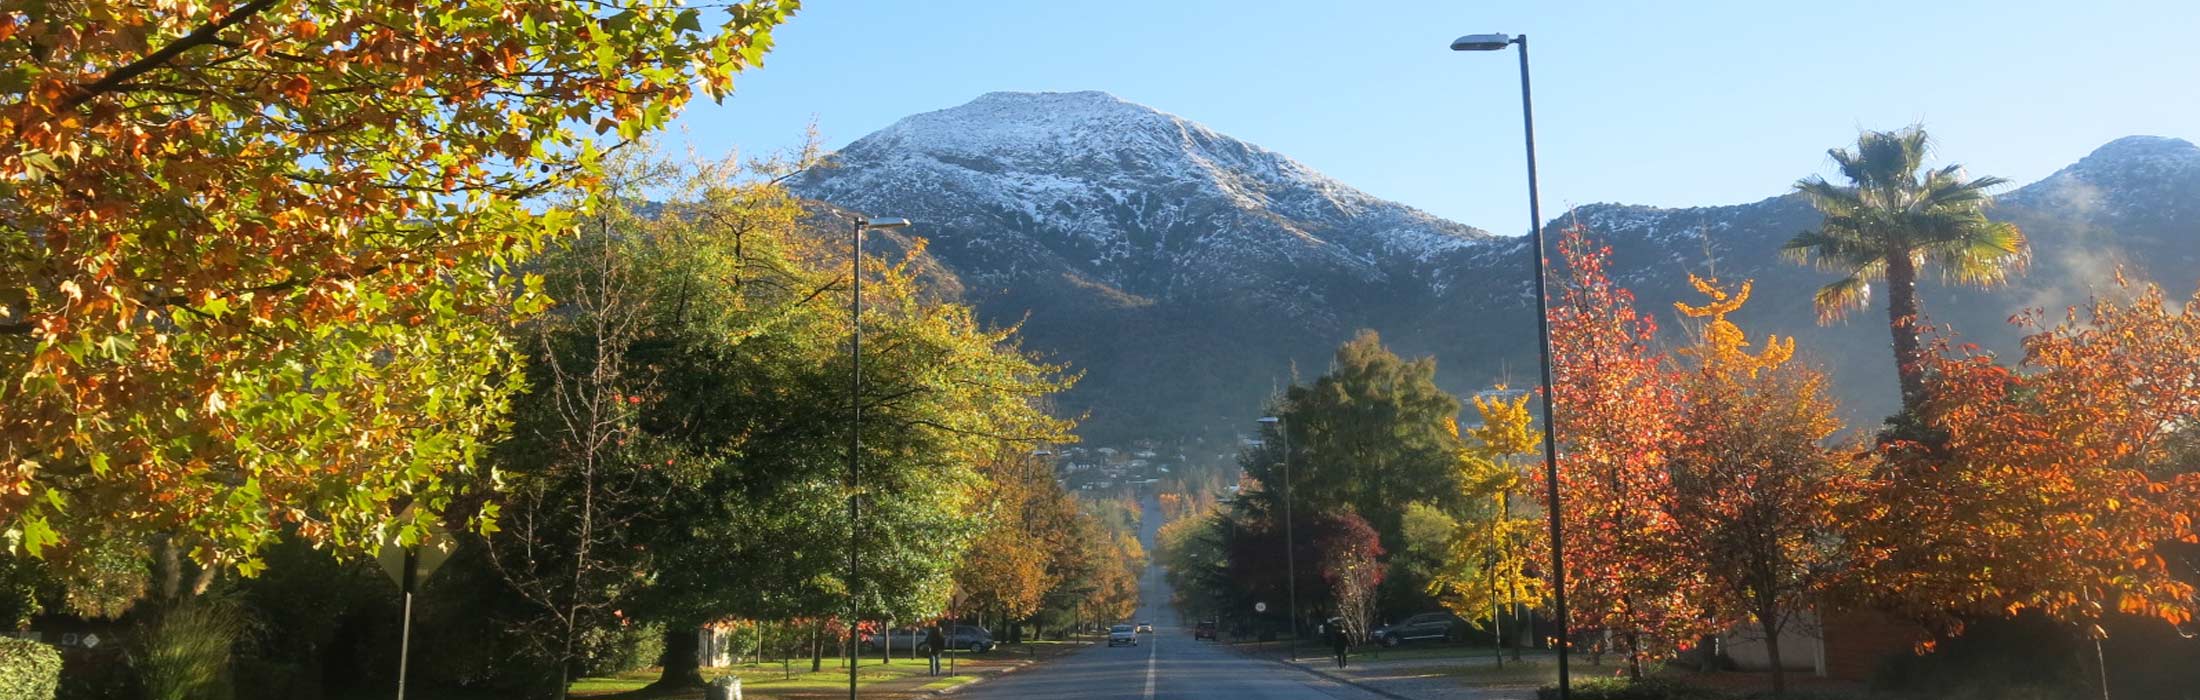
{"points": [[1169, 262], [1113, 193], [1188, 274]]}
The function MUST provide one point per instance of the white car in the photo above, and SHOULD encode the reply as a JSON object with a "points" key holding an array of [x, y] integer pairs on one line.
{"points": [[1145, 628], [1122, 635]]}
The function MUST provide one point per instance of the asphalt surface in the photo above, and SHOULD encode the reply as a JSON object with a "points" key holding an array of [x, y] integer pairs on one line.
{"points": [[1166, 665]]}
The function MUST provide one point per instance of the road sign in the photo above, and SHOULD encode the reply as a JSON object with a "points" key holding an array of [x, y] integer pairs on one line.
{"points": [[91, 641], [408, 565], [431, 553], [1260, 607]]}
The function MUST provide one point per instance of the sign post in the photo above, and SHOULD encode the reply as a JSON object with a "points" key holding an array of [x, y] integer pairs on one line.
{"points": [[408, 565]]}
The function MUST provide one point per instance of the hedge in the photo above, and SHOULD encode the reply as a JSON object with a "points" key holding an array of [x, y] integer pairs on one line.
{"points": [[1607, 688], [28, 670]]}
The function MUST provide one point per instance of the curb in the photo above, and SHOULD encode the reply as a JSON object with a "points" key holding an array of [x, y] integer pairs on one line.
{"points": [[1309, 668], [957, 688]]}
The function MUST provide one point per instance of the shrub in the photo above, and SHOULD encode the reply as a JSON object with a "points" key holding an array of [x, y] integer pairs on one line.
{"points": [[2026, 656], [1607, 688], [612, 650], [28, 670], [185, 654]]}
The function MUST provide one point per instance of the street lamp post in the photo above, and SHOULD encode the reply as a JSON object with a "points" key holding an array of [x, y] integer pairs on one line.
{"points": [[1498, 42], [1290, 542], [855, 433]]}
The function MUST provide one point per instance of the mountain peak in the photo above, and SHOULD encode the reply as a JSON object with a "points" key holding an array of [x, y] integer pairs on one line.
{"points": [[1086, 97], [2133, 175], [2143, 148]]}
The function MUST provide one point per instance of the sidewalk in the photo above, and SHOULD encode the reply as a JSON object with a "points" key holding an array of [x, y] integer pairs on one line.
{"points": [[904, 678], [968, 671]]}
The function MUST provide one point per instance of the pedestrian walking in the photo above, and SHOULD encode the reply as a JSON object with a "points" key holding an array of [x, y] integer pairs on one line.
{"points": [[1339, 641], [934, 642]]}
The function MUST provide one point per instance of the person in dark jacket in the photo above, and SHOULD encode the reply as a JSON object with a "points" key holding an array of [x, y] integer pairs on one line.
{"points": [[934, 643], [1339, 641]]}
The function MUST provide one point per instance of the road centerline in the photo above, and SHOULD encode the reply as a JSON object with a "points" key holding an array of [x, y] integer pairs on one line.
{"points": [[1153, 654]]}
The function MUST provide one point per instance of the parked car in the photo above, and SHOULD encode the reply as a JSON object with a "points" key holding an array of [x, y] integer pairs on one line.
{"points": [[1145, 628], [1204, 630], [1122, 635], [977, 640], [1425, 627]]}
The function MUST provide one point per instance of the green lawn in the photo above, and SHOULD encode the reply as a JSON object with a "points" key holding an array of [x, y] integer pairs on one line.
{"points": [[1531, 670], [764, 678], [1434, 651]]}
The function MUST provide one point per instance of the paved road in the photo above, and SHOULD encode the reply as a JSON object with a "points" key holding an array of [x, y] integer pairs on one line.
{"points": [[1166, 665]]}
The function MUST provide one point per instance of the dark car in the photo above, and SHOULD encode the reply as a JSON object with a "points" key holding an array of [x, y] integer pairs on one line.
{"points": [[1204, 630], [1425, 627]]}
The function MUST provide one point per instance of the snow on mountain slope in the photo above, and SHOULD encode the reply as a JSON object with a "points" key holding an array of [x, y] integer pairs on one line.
{"points": [[1145, 201]]}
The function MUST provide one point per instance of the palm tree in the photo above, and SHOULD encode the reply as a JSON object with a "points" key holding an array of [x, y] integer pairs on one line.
{"points": [[1890, 220]]}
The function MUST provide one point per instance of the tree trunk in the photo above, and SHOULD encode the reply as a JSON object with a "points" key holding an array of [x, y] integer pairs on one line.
{"points": [[169, 562], [1902, 322], [1527, 628], [1772, 649], [682, 659], [1497, 624], [817, 647], [1634, 656]]}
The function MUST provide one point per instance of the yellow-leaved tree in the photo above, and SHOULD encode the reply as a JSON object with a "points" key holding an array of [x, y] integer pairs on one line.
{"points": [[1489, 572]]}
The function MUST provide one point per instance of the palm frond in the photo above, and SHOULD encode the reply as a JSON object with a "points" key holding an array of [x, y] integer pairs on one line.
{"points": [[1831, 248], [1984, 255], [1835, 300]]}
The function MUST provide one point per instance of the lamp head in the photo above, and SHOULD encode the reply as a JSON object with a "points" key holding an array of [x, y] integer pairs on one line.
{"points": [[1481, 42], [885, 222]]}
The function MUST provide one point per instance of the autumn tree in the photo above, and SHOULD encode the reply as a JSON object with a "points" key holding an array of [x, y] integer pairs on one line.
{"points": [[1490, 559], [256, 255], [1005, 569], [1754, 481], [2057, 486], [1892, 219], [1614, 394], [1349, 557]]}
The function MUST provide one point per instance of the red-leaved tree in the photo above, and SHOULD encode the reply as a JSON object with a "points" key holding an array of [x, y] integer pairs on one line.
{"points": [[1615, 396], [2058, 486]]}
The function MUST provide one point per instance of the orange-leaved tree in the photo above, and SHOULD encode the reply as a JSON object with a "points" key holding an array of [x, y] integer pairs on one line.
{"points": [[257, 256], [2056, 486], [1755, 482], [1614, 395]]}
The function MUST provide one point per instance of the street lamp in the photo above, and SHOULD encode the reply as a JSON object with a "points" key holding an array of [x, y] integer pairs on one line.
{"points": [[1498, 42], [855, 432], [1290, 543]]}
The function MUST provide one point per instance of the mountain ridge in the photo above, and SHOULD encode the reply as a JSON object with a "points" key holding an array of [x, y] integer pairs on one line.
{"points": [[1189, 273]]}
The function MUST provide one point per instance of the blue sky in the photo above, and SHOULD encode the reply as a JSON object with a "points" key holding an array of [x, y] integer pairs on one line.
{"points": [[1670, 104]]}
